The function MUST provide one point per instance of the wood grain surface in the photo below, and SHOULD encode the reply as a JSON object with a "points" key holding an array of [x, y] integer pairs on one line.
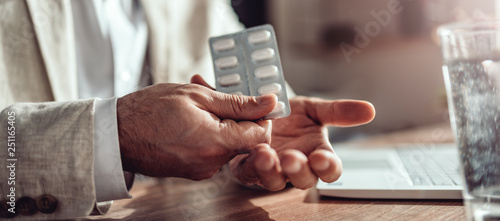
{"points": [[219, 198]]}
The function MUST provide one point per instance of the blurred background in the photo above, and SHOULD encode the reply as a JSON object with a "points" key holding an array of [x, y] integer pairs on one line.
{"points": [[383, 51]]}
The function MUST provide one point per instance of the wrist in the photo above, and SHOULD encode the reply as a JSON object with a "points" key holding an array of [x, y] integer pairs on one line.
{"points": [[123, 135]]}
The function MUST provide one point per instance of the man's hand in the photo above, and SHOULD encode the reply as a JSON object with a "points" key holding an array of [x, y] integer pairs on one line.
{"points": [[301, 151], [188, 131]]}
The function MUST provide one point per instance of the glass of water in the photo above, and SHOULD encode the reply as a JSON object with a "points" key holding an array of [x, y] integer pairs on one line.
{"points": [[471, 52]]}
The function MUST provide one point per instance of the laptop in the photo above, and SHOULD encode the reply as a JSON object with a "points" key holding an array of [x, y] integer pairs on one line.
{"points": [[402, 171]]}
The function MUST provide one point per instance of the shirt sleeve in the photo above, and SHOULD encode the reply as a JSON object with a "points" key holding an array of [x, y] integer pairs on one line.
{"points": [[108, 173]]}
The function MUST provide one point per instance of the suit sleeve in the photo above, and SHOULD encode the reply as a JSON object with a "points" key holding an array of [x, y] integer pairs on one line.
{"points": [[47, 160]]}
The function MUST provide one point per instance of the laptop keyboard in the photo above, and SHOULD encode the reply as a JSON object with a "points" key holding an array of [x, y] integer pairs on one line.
{"points": [[431, 166]]}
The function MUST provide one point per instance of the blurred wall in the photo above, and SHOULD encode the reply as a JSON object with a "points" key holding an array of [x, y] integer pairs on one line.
{"points": [[383, 51]]}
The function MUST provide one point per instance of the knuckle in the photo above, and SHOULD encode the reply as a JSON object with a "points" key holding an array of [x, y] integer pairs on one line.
{"points": [[254, 135], [193, 91], [237, 103]]}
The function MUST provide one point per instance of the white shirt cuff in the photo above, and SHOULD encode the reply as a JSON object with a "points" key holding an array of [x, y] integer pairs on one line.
{"points": [[108, 173]]}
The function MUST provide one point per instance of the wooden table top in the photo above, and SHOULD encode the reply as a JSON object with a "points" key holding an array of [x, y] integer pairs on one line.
{"points": [[219, 198]]}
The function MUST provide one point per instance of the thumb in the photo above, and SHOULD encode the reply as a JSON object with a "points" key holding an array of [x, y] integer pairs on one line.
{"points": [[240, 107], [341, 113]]}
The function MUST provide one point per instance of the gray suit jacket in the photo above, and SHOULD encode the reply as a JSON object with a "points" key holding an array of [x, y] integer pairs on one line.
{"points": [[52, 154], [54, 140]]}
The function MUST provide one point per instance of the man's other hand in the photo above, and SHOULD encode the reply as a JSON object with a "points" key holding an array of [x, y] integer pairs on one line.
{"points": [[190, 131], [301, 152]]}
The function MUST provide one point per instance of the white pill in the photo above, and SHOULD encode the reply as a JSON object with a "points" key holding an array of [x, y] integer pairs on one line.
{"points": [[268, 71], [230, 79], [223, 44], [259, 36], [226, 62], [279, 108], [273, 88], [262, 54]]}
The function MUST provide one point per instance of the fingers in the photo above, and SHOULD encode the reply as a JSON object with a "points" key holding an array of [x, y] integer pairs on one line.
{"points": [[268, 168], [261, 167], [236, 114], [264, 167], [295, 165], [236, 107], [326, 165], [303, 172], [242, 169], [239, 107], [197, 79], [340, 113], [242, 137]]}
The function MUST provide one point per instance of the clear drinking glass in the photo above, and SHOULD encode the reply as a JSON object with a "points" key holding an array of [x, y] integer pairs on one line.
{"points": [[471, 52]]}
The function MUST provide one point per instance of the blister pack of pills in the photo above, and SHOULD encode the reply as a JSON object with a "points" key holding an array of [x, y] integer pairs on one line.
{"points": [[248, 63]]}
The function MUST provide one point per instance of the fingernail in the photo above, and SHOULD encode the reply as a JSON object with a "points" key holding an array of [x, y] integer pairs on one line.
{"points": [[266, 100]]}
